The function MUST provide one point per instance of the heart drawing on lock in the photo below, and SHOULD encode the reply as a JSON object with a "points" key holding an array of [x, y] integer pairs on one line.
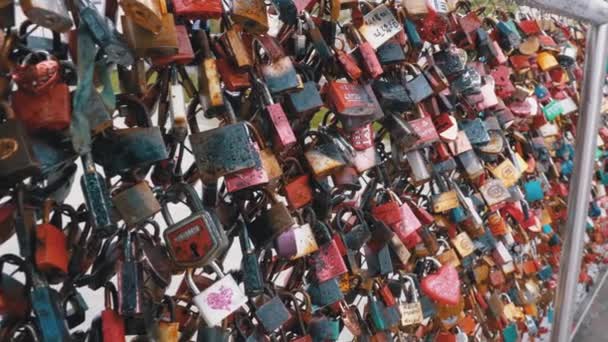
{"points": [[443, 287]]}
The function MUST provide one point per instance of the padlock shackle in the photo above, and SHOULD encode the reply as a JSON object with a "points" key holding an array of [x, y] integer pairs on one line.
{"points": [[110, 295]]}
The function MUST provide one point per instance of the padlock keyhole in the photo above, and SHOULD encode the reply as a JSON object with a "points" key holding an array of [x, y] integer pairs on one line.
{"points": [[194, 249]]}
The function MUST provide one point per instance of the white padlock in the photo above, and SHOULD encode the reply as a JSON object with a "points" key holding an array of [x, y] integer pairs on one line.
{"points": [[218, 300]]}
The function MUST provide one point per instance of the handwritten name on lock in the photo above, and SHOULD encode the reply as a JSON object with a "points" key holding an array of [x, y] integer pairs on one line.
{"points": [[379, 26]]}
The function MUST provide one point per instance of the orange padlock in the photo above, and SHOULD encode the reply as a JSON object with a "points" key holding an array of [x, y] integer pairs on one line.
{"points": [[51, 246]]}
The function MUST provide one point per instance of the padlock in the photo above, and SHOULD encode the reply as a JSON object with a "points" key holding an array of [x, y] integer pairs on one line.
{"points": [[136, 204], [283, 137], [209, 79], [50, 14], [379, 25], [51, 248], [234, 46], [112, 324], [129, 271], [253, 281], [364, 53], [198, 9], [271, 312], [323, 154], [148, 44], [47, 104], [13, 293], [297, 242], [49, 316], [306, 100], [444, 286], [184, 54], [168, 330], [146, 13], [273, 220], [417, 85], [97, 198], [410, 307], [103, 32], [350, 99], [328, 262], [297, 189], [7, 14], [250, 15], [267, 171], [17, 159], [223, 150], [347, 62], [276, 69], [196, 239], [218, 300], [416, 8]]}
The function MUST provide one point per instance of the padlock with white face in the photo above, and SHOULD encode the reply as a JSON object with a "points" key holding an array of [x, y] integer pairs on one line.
{"points": [[219, 300]]}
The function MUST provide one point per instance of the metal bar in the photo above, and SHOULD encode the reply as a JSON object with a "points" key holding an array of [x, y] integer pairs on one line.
{"points": [[580, 183]]}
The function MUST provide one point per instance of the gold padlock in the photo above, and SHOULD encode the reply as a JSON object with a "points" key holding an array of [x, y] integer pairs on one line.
{"points": [[250, 15], [463, 244], [51, 14], [237, 48], [148, 44], [146, 13], [547, 61]]}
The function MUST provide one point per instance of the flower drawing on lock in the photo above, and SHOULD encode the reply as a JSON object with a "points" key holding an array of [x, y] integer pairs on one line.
{"points": [[220, 300]]}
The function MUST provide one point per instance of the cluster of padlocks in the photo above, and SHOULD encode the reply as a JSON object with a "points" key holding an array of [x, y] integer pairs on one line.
{"points": [[392, 171]]}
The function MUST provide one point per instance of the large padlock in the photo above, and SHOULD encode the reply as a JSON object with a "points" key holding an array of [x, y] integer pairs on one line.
{"points": [[146, 13], [17, 159], [47, 13], [43, 100], [196, 239], [218, 300], [224, 150], [148, 44]]}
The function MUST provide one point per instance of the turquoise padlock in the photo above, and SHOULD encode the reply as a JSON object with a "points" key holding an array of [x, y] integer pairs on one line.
{"points": [[545, 272], [325, 293], [534, 191], [458, 215], [510, 333], [322, 328], [553, 109], [568, 168]]}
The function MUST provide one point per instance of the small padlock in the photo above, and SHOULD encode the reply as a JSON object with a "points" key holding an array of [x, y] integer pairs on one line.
{"points": [[218, 300], [168, 330], [112, 324]]}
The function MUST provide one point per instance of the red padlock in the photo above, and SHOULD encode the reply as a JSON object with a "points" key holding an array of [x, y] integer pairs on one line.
{"points": [[112, 324], [197, 9], [43, 100], [297, 189]]}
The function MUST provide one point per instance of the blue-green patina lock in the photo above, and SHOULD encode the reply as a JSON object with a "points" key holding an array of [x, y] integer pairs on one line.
{"points": [[534, 191], [224, 150], [325, 293]]}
